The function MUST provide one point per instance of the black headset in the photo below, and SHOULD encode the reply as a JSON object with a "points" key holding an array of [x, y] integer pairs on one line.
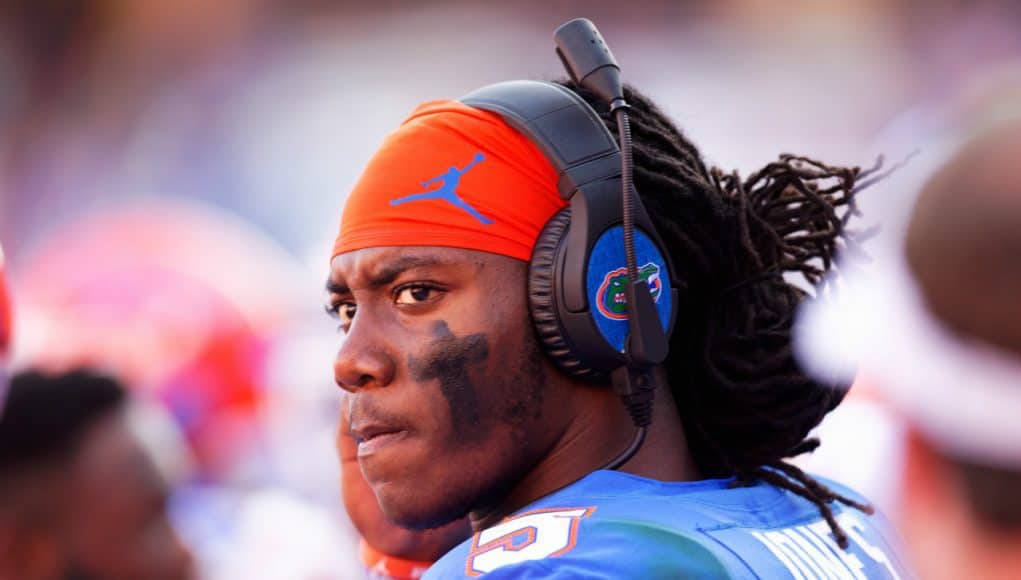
{"points": [[601, 290]]}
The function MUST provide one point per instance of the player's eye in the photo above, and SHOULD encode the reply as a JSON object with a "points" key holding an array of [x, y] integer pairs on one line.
{"points": [[415, 294], [343, 312]]}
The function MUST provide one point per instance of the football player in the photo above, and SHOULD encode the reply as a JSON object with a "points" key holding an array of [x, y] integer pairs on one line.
{"points": [[457, 406]]}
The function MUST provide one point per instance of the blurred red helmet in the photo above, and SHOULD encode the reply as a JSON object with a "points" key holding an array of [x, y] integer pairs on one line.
{"points": [[178, 299], [6, 321]]}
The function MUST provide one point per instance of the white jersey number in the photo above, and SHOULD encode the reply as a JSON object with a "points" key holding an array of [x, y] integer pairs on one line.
{"points": [[530, 536]]}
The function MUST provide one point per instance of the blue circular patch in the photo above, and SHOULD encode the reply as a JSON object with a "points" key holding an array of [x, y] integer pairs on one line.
{"points": [[606, 279]]}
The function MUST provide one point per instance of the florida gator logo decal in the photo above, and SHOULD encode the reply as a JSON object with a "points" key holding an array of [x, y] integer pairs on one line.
{"points": [[611, 300]]}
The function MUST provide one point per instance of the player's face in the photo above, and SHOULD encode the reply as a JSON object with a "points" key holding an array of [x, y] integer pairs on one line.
{"points": [[116, 525], [451, 394]]}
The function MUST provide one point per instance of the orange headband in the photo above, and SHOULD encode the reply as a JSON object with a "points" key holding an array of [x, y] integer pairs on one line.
{"points": [[452, 176]]}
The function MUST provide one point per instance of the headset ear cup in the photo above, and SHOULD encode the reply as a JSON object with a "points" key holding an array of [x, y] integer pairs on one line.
{"points": [[548, 328]]}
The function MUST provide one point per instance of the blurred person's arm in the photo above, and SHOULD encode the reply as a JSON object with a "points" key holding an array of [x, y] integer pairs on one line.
{"points": [[388, 550]]}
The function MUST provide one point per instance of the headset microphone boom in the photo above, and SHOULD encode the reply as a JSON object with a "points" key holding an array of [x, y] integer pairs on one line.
{"points": [[604, 228]]}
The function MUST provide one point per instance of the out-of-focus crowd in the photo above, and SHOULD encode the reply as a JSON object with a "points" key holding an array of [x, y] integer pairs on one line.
{"points": [[172, 173]]}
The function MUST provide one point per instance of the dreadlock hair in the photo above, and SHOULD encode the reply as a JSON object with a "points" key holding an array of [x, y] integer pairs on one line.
{"points": [[744, 402]]}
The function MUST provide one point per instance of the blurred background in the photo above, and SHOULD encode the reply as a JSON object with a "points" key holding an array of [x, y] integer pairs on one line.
{"points": [[172, 174]]}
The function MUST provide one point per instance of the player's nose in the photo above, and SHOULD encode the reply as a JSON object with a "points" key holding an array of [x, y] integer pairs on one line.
{"points": [[363, 360]]}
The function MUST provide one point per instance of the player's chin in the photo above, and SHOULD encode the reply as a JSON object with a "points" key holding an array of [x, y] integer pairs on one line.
{"points": [[418, 508]]}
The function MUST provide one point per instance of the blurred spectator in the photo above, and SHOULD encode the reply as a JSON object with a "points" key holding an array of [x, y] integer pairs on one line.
{"points": [[936, 327], [80, 496], [962, 473]]}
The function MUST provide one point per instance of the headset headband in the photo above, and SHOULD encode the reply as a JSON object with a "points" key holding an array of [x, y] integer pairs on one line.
{"points": [[560, 123]]}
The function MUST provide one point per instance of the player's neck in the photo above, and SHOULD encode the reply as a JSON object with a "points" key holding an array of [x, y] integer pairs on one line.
{"points": [[599, 432], [664, 455]]}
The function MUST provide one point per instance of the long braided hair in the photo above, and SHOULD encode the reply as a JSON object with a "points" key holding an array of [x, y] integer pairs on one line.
{"points": [[745, 404]]}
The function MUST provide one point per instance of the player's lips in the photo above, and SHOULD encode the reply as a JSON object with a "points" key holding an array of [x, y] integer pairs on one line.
{"points": [[373, 437]]}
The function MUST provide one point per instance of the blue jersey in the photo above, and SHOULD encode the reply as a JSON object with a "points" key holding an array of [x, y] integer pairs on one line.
{"points": [[615, 525]]}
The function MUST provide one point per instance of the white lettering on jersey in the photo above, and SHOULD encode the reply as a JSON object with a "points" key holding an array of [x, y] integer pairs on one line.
{"points": [[853, 525], [530, 536], [809, 551], [778, 546]]}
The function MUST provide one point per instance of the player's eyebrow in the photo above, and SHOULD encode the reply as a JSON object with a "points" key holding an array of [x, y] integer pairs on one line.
{"points": [[334, 288], [389, 272]]}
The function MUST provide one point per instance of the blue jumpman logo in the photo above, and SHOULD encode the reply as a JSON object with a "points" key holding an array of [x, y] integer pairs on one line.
{"points": [[448, 190]]}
